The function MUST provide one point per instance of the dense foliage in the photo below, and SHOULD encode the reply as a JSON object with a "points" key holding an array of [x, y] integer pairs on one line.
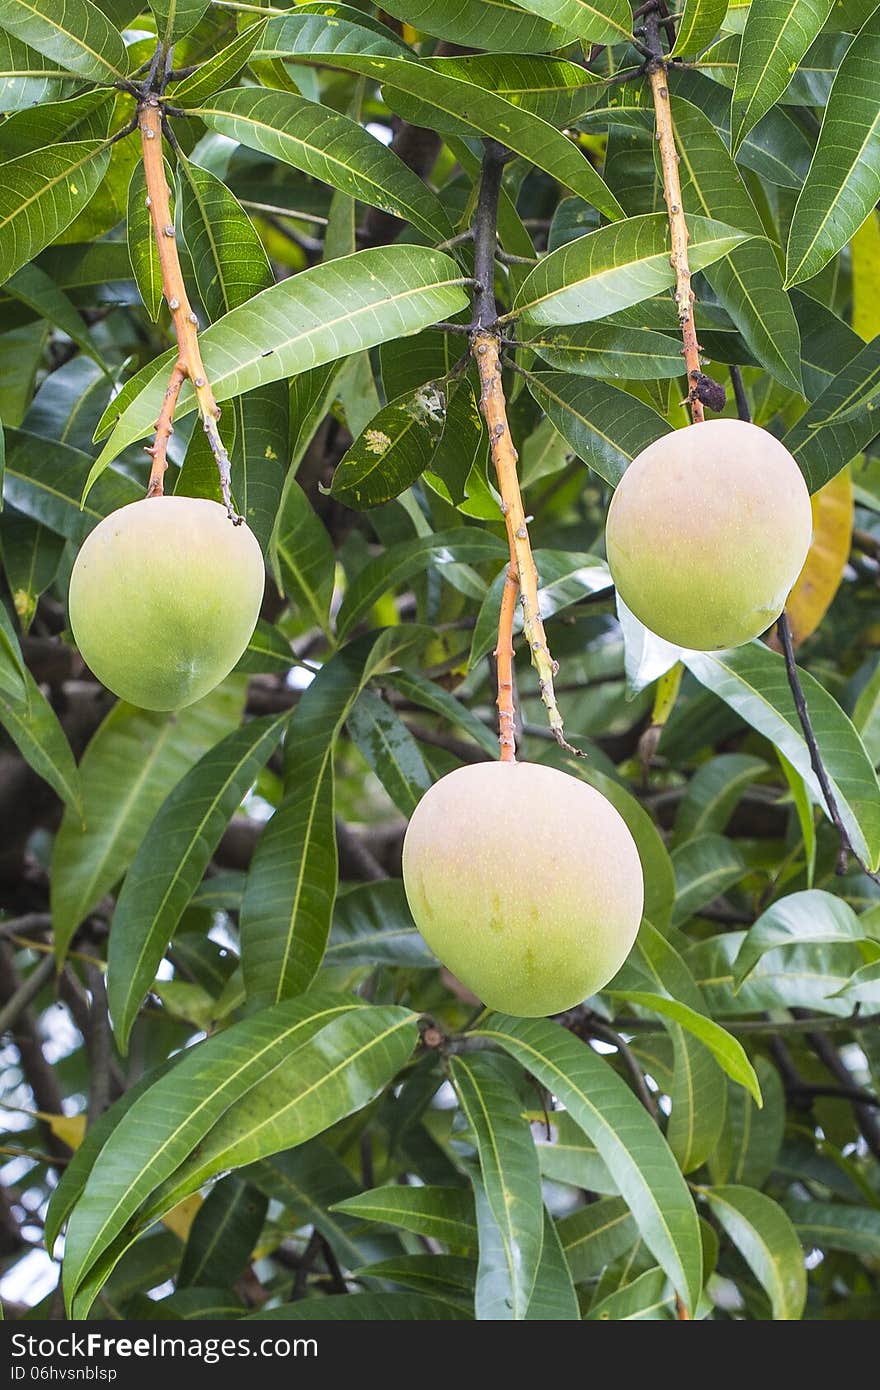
{"points": [[279, 1098]]}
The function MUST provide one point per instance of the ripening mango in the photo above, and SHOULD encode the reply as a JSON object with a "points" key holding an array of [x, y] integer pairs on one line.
{"points": [[707, 532], [164, 597], [525, 882]]}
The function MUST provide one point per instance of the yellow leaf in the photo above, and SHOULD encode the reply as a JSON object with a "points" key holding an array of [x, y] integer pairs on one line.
{"points": [[865, 253], [70, 1129], [180, 1218], [820, 577]]}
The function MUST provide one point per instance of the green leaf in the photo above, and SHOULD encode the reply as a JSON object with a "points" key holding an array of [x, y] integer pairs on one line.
{"points": [[796, 920], [749, 1145], [393, 451], [305, 555], [28, 78], [176, 18], [747, 281], [431, 696], [608, 349], [623, 1132], [366, 1307], [840, 421], [843, 181], [594, 1235], [448, 1275], [41, 193], [440, 1213], [74, 33], [699, 23], [288, 902], [604, 21], [329, 147], [554, 1298], [656, 864], [31, 555], [606, 427], [318, 316], [177, 1111], [615, 267], [307, 1181], [130, 765], [33, 726], [44, 479], [229, 262], [407, 558], [803, 977], [223, 1234], [565, 577], [219, 69], [310, 30], [489, 115], [727, 1051], [172, 859], [493, 24], [553, 88], [142, 245], [705, 867], [390, 749], [752, 680], [713, 792], [863, 987], [776, 37], [866, 715], [511, 1177], [767, 1241], [84, 117], [647, 1298], [832, 1226], [372, 925], [13, 671], [337, 1070]]}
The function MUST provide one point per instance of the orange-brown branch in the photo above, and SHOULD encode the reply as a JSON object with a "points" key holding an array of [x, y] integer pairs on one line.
{"points": [[679, 236], [484, 346], [504, 665], [189, 363]]}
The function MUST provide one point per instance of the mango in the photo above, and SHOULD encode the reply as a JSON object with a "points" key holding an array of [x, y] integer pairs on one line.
{"points": [[525, 882], [164, 597], [707, 532]]}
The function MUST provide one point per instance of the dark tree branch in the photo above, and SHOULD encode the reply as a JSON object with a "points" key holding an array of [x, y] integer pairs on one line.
{"points": [[38, 1073], [739, 392], [866, 1118]]}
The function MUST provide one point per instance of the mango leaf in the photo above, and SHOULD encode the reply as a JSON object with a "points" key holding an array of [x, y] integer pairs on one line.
{"points": [[307, 1181], [367, 1307], [224, 1233], [752, 680], [440, 1213], [304, 554], [747, 281], [727, 1051], [407, 558], [605, 427], [833, 1226], [328, 146], [372, 925], [431, 696], [813, 915], [219, 69], [228, 258], [776, 36], [42, 192], [493, 24], [141, 244], [654, 856], [553, 88], [288, 902], [554, 1298], [393, 451], [33, 726], [699, 23], [864, 985], [511, 1177], [751, 1139], [318, 316], [176, 18], [803, 977], [130, 765], [177, 1111], [814, 590], [489, 115], [28, 78], [840, 421], [768, 1243], [565, 577], [74, 33], [390, 749], [31, 555], [44, 479], [608, 350], [843, 182], [632, 1147], [705, 867], [603, 21], [615, 267], [594, 1235], [337, 1070], [172, 859], [713, 792]]}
